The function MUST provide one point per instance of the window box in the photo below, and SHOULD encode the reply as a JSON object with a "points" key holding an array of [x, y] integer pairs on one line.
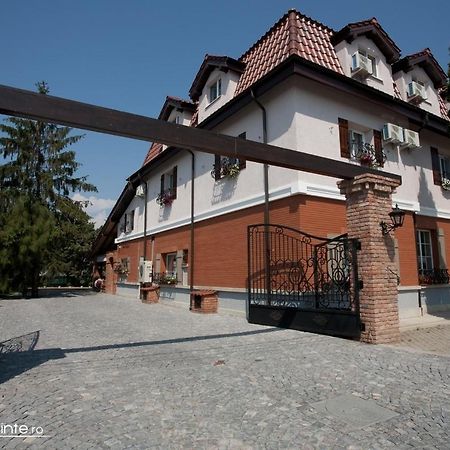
{"points": [[226, 168], [165, 278], [165, 198], [434, 276], [446, 184]]}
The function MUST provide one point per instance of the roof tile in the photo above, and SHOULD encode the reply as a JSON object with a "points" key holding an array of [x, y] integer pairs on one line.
{"points": [[293, 34]]}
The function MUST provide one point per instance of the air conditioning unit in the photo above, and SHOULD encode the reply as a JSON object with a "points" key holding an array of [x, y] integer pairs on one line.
{"points": [[393, 133], [361, 66], [140, 191], [145, 271], [416, 92], [411, 139]]}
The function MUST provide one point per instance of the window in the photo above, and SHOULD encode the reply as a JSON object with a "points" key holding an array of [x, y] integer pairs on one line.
{"points": [[129, 221], [357, 141], [424, 251], [445, 168], [171, 264], [226, 166], [215, 90], [176, 120], [368, 60], [168, 189]]}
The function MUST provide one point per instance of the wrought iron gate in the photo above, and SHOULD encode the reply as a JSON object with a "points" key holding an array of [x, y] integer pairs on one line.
{"points": [[300, 281]]}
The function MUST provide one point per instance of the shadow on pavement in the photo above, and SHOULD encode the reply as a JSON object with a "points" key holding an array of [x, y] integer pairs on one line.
{"points": [[21, 358]]}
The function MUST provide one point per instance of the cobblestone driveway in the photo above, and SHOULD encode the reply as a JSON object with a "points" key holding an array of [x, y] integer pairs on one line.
{"points": [[110, 372]]}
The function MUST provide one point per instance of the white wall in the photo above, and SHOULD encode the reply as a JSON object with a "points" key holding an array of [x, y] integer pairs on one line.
{"points": [[302, 115]]}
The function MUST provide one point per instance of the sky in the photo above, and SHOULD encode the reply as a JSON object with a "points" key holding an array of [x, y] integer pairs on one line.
{"points": [[128, 55]]}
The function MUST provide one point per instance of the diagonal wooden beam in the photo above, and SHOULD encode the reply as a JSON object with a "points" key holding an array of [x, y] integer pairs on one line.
{"points": [[27, 104]]}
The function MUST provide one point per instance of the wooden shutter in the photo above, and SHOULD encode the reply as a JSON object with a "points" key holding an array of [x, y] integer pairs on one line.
{"points": [[217, 167], [174, 182], [436, 165], [162, 184], [343, 138], [378, 147], [242, 162]]}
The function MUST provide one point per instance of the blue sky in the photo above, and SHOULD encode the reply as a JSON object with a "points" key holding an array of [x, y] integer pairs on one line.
{"points": [[129, 55]]}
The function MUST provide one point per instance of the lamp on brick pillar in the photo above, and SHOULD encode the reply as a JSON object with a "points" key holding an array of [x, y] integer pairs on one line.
{"points": [[369, 201], [397, 218]]}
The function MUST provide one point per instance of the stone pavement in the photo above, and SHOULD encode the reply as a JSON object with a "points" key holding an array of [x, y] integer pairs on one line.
{"points": [[110, 372], [435, 340]]}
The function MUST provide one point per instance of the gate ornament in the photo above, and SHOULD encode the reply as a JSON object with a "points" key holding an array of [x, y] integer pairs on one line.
{"points": [[397, 218]]}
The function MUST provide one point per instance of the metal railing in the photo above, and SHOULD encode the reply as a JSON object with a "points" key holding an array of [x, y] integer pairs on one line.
{"points": [[434, 276]]}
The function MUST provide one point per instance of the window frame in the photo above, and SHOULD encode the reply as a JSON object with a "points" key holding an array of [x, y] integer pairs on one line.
{"points": [[445, 174], [220, 160], [170, 273], [371, 58], [129, 221], [215, 90], [421, 257]]}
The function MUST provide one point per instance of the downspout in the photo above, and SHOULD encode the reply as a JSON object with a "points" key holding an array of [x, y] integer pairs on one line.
{"points": [[145, 219], [266, 166], [191, 250], [266, 200]]}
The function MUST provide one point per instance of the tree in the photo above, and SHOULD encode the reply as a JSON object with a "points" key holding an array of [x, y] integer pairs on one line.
{"points": [[35, 209]]}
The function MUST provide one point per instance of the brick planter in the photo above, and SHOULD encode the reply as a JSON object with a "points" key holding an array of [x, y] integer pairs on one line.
{"points": [[150, 294], [204, 302]]}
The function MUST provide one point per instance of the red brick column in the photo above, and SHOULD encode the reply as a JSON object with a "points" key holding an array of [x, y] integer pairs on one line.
{"points": [[369, 201], [110, 274]]}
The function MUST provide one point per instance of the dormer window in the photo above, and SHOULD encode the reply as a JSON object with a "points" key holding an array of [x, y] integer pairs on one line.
{"points": [[215, 90], [363, 64], [168, 190]]}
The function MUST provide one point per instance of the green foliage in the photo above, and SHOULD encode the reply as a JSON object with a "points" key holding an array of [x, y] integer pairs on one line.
{"points": [[42, 231]]}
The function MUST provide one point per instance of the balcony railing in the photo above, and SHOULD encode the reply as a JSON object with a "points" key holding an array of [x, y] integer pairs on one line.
{"points": [[365, 153], [165, 278], [434, 276]]}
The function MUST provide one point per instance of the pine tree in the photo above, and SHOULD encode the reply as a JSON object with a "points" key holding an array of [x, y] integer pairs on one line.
{"points": [[35, 183]]}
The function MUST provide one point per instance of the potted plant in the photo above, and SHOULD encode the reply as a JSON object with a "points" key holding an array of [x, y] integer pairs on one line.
{"points": [[445, 184], [165, 198]]}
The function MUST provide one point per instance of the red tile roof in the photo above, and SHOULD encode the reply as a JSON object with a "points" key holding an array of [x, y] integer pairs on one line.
{"points": [[445, 113], [427, 61], [293, 34], [154, 150], [373, 30]]}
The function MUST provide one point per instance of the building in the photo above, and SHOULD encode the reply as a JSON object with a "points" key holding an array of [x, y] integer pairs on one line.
{"points": [[348, 95]]}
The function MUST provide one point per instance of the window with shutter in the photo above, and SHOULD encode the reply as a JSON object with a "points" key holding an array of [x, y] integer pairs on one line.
{"points": [[228, 166], [379, 156], [436, 166], [343, 138]]}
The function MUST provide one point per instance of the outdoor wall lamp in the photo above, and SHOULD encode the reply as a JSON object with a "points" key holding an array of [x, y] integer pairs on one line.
{"points": [[397, 217]]}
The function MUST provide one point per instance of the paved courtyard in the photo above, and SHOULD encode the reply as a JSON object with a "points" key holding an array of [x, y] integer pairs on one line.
{"points": [[111, 372]]}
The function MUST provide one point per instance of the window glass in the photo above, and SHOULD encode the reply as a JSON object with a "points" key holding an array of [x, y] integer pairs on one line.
{"points": [[424, 250], [215, 90], [171, 264], [445, 167]]}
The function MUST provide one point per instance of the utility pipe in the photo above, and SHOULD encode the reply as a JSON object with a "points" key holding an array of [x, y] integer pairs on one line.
{"points": [[266, 200]]}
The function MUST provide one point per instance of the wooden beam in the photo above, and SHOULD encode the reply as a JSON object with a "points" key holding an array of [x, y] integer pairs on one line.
{"points": [[27, 104]]}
